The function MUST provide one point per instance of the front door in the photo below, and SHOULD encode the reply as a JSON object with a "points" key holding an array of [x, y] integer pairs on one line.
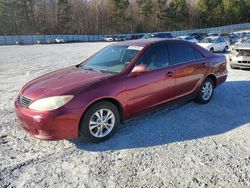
{"points": [[156, 86]]}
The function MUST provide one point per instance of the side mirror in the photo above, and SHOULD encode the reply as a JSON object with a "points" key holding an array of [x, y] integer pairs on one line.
{"points": [[139, 69]]}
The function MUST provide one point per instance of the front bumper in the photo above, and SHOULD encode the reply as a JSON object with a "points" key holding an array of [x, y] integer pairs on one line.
{"points": [[53, 125], [239, 61]]}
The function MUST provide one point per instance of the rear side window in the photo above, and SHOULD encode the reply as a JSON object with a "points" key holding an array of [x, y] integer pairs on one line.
{"points": [[198, 54], [182, 53], [222, 40]]}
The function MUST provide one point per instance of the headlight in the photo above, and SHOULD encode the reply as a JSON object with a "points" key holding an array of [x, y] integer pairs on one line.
{"points": [[234, 52], [50, 103]]}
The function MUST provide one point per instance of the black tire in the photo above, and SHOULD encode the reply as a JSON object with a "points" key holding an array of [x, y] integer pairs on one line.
{"points": [[225, 49], [211, 50], [200, 97], [84, 128]]}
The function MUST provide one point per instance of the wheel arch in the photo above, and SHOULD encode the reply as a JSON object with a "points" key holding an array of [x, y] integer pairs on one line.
{"points": [[214, 79], [108, 99]]}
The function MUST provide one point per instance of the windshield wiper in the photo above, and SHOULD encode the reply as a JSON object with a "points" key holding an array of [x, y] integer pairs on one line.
{"points": [[91, 69], [106, 71], [96, 70]]}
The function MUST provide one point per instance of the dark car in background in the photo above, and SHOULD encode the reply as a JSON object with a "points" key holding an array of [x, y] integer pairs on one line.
{"points": [[198, 36], [50, 41], [158, 35], [231, 37], [213, 34], [120, 38], [136, 36], [42, 41], [19, 42], [119, 82]]}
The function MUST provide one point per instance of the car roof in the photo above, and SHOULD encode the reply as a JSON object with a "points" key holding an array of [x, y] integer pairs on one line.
{"points": [[143, 42], [184, 36], [213, 37]]}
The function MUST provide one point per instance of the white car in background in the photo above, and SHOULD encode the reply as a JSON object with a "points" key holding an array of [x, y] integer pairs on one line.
{"points": [[240, 54], [187, 38], [59, 40], [214, 44], [108, 38]]}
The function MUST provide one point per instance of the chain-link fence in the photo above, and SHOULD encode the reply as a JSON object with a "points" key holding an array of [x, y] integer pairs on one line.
{"points": [[34, 39]]}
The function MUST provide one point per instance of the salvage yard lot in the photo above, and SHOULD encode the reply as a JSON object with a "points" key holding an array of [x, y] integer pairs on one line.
{"points": [[185, 145]]}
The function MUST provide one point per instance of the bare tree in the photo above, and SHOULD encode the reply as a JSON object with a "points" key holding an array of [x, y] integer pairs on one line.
{"points": [[116, 16]]}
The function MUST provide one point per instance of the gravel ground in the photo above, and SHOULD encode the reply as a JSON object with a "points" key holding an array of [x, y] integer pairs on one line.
{"points": [[185, 145]]}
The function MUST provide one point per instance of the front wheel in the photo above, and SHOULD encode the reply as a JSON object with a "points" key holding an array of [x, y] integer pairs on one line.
{"points": [[100, 122], [211, 50], [206, 91]]}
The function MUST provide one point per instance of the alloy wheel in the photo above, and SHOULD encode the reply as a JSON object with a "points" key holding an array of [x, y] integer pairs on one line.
{"points": [[207, 91], [101, 123]]}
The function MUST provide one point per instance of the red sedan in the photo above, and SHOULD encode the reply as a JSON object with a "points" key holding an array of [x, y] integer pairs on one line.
{"points": [[119, 82]]}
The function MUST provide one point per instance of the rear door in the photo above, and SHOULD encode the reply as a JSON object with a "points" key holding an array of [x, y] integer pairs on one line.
{"points": [[220, 45], [223, 43], [190, 67], [156, 86]]}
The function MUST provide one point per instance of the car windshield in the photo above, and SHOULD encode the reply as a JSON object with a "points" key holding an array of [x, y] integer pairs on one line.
{"points": [[208, 40], [246, 39], [112, 59]]}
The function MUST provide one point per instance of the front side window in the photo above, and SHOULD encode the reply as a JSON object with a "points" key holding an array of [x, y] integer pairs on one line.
{"points": [[155, 58], [246, 40], [182, 53], [113, 59], [198, 54]]}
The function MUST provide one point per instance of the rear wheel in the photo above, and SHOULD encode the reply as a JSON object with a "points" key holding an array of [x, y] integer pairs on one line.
{"points": [[225, 49], [211, 50], [100, 122], [206, 91]]}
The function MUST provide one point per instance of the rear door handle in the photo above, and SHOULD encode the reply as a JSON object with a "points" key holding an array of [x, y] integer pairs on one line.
{"points": [[169, 74], [204, 64]]}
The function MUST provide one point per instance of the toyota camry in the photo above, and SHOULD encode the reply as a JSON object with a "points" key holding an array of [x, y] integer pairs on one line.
{"points": [[90, 100]]}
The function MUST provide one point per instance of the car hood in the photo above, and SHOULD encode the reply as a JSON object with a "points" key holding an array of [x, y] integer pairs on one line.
{"points": [[62, 82], [205, 45], [242, 46]]}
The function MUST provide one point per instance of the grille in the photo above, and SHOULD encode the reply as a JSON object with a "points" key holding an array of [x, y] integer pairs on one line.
{"points": [[244, 52], [25, 101]]}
